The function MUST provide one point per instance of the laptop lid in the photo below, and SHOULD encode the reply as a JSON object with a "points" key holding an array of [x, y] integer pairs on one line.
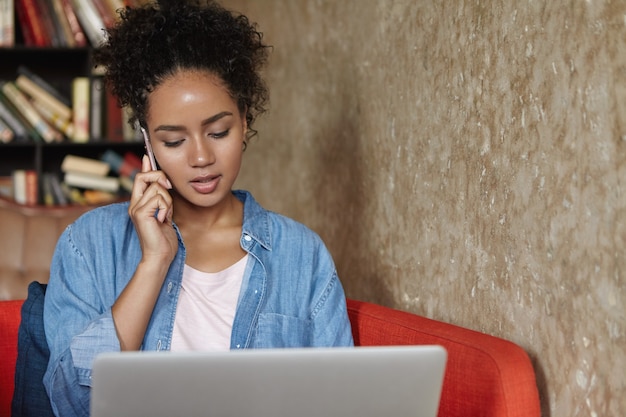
{"points": [[393, 381]]}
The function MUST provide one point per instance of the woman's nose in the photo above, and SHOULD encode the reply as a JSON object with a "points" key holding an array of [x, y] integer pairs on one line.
{"points": [[202, 153]]}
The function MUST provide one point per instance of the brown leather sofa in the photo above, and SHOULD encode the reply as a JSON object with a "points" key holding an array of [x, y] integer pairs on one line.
{"points": [[28, 236]]}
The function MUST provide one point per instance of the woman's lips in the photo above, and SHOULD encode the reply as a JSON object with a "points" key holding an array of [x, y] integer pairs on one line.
{"points": [[205, 185]]}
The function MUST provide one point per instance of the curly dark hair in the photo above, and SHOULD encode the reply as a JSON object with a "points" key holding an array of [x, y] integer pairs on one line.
{"points": [[151, 43]]}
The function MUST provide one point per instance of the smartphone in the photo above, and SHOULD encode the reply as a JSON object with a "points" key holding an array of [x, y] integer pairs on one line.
{"points": [[146, 140]]}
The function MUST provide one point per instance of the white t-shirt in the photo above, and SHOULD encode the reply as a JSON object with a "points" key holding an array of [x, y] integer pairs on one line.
{"points": [[206, 308]]}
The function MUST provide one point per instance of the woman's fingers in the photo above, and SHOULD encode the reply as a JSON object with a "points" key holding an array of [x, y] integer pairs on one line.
{"points": [[145, 178]]}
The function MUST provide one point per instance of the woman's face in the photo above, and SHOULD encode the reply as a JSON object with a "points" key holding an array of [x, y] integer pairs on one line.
{"points": [[197, 135]]}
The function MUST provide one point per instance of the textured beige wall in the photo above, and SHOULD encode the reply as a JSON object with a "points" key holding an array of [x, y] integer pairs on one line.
{"points": [[463, 160]]}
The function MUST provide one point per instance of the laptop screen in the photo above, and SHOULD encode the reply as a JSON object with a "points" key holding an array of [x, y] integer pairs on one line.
{"points": [[390, 381]]}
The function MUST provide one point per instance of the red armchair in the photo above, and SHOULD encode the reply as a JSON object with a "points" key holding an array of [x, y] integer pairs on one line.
{"points": [[10, 313], [485, 376]]}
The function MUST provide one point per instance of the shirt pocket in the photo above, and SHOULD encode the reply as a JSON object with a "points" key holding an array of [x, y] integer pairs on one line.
{"points": [[280, 331]]}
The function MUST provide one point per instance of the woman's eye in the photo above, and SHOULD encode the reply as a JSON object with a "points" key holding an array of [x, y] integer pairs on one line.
{"points": [[219, 135], [172, 144]]}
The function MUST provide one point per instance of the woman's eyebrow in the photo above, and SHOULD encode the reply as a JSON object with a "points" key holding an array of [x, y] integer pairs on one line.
{"points": [[205, 122], [216, 117]]}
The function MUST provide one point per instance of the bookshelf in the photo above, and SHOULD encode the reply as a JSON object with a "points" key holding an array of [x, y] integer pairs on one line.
{"points": [[58, 66], [53, 40]]}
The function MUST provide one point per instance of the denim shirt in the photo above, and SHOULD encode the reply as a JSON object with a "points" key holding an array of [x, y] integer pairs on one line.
{"points": [[291, 295]]}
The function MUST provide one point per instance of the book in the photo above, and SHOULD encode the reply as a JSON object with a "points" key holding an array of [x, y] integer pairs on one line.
{"points": [[21, 128], [44, 85], [80, 109], [131, 134], [90, 21], [114, 119], [92, 182], [19, 185], [47, 19], [85, 165], [80, 39], [106, 14], [34, 90], [6, 186], [6, 134], [32, 26], [7, 25], [7, 117], [46, 190], [57, 191], [24, 24], [96, 108], [63, 24], [32, 187], [20, 101], [122, 165]]}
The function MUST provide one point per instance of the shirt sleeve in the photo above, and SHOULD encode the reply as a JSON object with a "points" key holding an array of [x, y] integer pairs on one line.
{"points": [[331, 322], [78, 325]]}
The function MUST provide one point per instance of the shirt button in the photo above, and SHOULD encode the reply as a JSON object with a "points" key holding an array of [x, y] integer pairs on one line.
{"points": [[169, 287], [247, 238], [158, 347], [238, 346]]}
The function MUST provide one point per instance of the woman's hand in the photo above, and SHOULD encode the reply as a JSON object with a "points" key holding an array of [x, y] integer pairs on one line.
{"points": [[151, 212]]}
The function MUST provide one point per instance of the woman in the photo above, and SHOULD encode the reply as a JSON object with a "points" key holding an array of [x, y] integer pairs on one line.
{"points": [[188, 263]]}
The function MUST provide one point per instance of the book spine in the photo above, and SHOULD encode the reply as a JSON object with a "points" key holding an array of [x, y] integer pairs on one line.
{"points": [[25, 24], [75, 163], [19, 186], [33, 17], [90, 20], [93, 182], [6, 133], [114, 119], [32, 187], [46, 190], [36, 92], [63, 24], [59, 195], [7, 25], [80, 38], [19, 130], [120, 165], [23, 105], [105, 13], [96, 109], [46, 17], [80, 109], [131, 134]]}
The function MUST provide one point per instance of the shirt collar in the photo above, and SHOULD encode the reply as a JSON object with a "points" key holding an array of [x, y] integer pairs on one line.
{"points": [[256, 222]]}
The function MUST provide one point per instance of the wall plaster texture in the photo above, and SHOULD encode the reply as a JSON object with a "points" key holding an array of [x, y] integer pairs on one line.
{"points": [[466, 161]]}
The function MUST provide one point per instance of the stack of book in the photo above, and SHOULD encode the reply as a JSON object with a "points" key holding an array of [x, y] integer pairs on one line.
{"points": [[97, 181], [33, 109], [58, 23], [87, 180]]}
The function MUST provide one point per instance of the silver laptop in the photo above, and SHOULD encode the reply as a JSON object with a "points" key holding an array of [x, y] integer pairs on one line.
{"points": [[390, 381]]}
